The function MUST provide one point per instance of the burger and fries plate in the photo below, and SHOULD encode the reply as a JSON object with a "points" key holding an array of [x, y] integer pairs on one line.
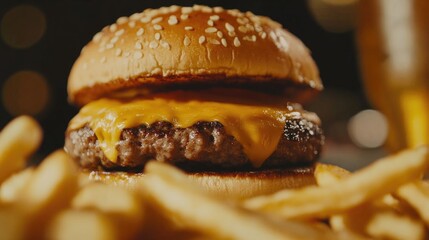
{"points": [[386, 200], [124, 124]]}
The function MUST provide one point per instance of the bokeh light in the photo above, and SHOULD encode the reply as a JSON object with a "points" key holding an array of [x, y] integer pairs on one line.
{"points": [[368, 129], [334, 15], [25, 92], [23, 26]]}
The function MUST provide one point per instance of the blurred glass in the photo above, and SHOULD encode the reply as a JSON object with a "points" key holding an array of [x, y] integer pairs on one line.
{"points": [[334, 15], [393, 41]]}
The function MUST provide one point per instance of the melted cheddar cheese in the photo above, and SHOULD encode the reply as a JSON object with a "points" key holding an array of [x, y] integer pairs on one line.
{"points": [[257, 122]]}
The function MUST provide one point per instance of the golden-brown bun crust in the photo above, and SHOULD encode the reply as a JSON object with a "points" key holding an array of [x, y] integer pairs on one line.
{"points": [[187, 45], [232, 185]]}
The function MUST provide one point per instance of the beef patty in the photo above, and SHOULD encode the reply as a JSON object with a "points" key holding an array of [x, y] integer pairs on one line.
{"points": [[204, 145]]}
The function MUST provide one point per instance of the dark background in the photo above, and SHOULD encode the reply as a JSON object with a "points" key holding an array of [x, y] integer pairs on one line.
{"points": [[71, 24]]}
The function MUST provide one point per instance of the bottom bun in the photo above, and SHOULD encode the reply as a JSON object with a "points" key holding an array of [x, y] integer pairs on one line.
{"points": [[231, 185]]}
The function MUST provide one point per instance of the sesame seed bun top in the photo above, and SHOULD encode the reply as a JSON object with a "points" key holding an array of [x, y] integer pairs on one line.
{"points": [[181, 45]]}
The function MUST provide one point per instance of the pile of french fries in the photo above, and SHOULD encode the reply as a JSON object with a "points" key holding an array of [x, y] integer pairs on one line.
{"points": [[386, 200]]}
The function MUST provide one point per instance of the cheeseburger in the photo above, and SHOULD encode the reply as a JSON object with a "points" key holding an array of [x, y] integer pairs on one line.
{"points": [[214, 92]]}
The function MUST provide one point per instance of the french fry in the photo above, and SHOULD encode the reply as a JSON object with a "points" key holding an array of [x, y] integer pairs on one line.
{"points": [[172, 192], [329, 174], [368, 218], [382, 177], [326, 174], [12, 223], [20, 138], [337, 223], [416, 194], [388, 225], [121, 205], [11, 188], [48, 191], [82, 225], [159, 226]]}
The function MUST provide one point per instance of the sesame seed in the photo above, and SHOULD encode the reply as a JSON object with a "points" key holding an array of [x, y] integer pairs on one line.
{"points": [[255, 19], [119, 32], [201, 40], [114, 39], [189, 28], [153, 44], [284, 43], [140, 32], [250, 38], [250, 27], [132, 24], [210, 23], [103, 60], [214, 17], [138, 45], [186, 41], [127, 54], [263, 35], [172, 20], [122, 20], [214, 41], [97, 37], [206, 9], [118, 52], [229, 27], [136, 16], [150, 12], [174, 8], [233, 12], [163, 10], [165, 44], [184, 16], [231, 34], [258, 28], [211, 30], [237, 42], [197, 7], [156, 20], [157, 27], [219, 34], [186, 10], [109, 45], [218, 9], [138, 55], [273, 35], [145, 19], [157, 36], [250, 14], [242, 29], [113, 27], [242, 21], [223, 41]]}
